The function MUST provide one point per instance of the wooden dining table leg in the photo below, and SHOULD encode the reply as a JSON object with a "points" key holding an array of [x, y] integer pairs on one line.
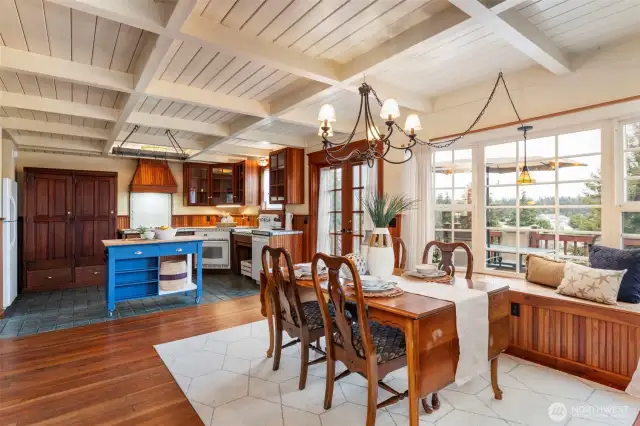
{"points": [[412, 372]]}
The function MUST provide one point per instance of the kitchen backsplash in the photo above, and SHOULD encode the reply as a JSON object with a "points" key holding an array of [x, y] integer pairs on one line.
{"points": [[196, 220]]}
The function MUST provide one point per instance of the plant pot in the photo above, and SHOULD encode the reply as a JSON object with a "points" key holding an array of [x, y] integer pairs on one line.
{"points": [[148, 235], [380, 256]]}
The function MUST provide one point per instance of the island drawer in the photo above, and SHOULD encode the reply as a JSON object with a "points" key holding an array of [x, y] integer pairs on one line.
{"points": [[133, 252], [90, 275], [176, 249]]}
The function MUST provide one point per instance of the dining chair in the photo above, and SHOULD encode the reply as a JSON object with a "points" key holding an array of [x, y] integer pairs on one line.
{"points": [[301, 320], [368, 348], [446, 261], [400, 251], [446, 264]]}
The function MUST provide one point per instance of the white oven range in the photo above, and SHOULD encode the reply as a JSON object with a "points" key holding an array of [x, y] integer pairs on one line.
{"points": [[215, 249]]}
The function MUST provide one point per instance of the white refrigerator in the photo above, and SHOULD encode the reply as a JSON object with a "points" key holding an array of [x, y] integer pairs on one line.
{"points": [[9, 208]]}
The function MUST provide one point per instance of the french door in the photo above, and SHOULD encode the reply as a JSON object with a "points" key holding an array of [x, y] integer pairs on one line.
{"points": [[347, 185]]}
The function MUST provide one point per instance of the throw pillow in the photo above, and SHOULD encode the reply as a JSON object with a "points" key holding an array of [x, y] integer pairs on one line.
{"points": [[612, 259], [359, 262], [541, 270], [588, 283]]}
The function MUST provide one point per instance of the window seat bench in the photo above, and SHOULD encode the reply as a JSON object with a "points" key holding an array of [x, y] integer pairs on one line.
{"points": [[588, 339]]}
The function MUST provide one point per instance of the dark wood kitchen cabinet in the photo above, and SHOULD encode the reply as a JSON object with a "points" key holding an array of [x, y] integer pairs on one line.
{"points": [[286, 176], [66, 215], [225, 183], [197, 184]]}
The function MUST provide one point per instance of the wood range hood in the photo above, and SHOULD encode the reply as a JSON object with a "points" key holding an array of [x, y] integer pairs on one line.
{"points": [[153, 176]]}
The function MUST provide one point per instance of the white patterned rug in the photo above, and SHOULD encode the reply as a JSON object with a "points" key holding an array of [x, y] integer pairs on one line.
{"points": [[230, 382]]}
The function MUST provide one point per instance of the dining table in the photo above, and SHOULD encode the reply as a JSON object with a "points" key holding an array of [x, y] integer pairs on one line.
{"points": [[429, 326]]}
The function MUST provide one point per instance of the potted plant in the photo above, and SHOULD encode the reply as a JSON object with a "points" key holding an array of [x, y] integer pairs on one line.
{"points": [[382, 209], [145, 232]]}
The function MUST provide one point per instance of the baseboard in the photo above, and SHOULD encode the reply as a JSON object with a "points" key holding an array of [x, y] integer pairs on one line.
{"points": [[588, 372]]}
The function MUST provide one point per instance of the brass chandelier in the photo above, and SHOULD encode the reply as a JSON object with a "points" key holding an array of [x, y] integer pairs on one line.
{"points": [[389, 112]]}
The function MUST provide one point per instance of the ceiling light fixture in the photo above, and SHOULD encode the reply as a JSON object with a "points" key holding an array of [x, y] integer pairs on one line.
{"points": [[379, 144], [179, 154], [263, 162]]}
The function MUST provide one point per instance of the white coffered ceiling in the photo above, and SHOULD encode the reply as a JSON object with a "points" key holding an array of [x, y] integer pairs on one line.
{"points": [[243, 77]]}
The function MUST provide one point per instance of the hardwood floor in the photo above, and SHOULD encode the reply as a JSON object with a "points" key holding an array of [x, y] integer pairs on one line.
{"points": [[107, 373]]}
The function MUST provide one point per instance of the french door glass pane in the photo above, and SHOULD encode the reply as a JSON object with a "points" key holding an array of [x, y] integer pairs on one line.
{"points": [[338, 200], [356, 176]]}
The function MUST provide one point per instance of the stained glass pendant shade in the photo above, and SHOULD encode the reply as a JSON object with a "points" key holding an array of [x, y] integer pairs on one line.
{"points": [[525, 177]]}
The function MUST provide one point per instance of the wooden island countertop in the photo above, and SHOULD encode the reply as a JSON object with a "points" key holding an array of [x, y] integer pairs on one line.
{"points": [[138, 241]]}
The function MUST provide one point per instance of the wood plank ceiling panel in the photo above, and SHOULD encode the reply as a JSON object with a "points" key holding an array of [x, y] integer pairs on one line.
{"points": [[367, 15], [216, 10], [241, 12], [363, 38]]}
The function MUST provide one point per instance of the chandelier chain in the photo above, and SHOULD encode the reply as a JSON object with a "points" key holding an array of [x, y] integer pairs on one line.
{"points": [[449, 142]]}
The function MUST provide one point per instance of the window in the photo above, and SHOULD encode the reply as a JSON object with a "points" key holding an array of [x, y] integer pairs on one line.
{"points": [[452, 182], [559, 216], [265, 192], [631, 185]]}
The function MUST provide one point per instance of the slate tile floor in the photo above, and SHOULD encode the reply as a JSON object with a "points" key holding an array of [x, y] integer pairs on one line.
{"points": [[56, 310]]}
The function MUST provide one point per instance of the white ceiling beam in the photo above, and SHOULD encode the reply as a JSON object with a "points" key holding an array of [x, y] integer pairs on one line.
{"points": [[274, 138], [163, 122], [37, 103], [148, 15], [198, 29], [39, 142], [206, 98], [239, 150], [21, 61], [516, 30], [155, 54], [51, 127]]}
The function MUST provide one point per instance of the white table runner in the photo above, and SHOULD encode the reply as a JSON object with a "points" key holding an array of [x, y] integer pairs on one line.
{"points": [[472, 322]]}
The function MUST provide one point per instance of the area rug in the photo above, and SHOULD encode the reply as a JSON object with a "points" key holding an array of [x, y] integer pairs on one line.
{"points": [[230, 382]]}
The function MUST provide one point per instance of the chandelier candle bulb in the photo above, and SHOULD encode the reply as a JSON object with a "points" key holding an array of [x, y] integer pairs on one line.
{"points": [[412, 124], [390, 110], [327, 114]]}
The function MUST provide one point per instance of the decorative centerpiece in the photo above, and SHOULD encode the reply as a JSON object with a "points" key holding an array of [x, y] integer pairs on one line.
{"points": [[165, 232], [382, 209]]}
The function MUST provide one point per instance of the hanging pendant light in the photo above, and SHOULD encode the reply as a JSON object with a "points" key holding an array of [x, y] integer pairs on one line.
{"points": [[525, 177]]}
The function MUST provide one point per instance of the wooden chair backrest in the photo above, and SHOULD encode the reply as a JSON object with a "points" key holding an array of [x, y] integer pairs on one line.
{"points": [[284, 293], [401, 252], [337, 296], [446, 262]]}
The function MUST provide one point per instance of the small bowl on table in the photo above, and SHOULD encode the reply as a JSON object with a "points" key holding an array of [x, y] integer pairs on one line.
{"points": [[165, 234]]}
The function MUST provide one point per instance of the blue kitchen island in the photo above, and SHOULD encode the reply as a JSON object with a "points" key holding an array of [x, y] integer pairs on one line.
{"points": [[133, 267]]}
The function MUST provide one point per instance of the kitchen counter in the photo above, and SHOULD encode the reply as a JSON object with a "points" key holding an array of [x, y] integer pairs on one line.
{"points": [[139, 241], [191, 229]]}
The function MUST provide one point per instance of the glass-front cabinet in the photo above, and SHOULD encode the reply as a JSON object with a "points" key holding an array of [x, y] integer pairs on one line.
{"points": [[277, 177], [222, 184], [197, 184]]}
